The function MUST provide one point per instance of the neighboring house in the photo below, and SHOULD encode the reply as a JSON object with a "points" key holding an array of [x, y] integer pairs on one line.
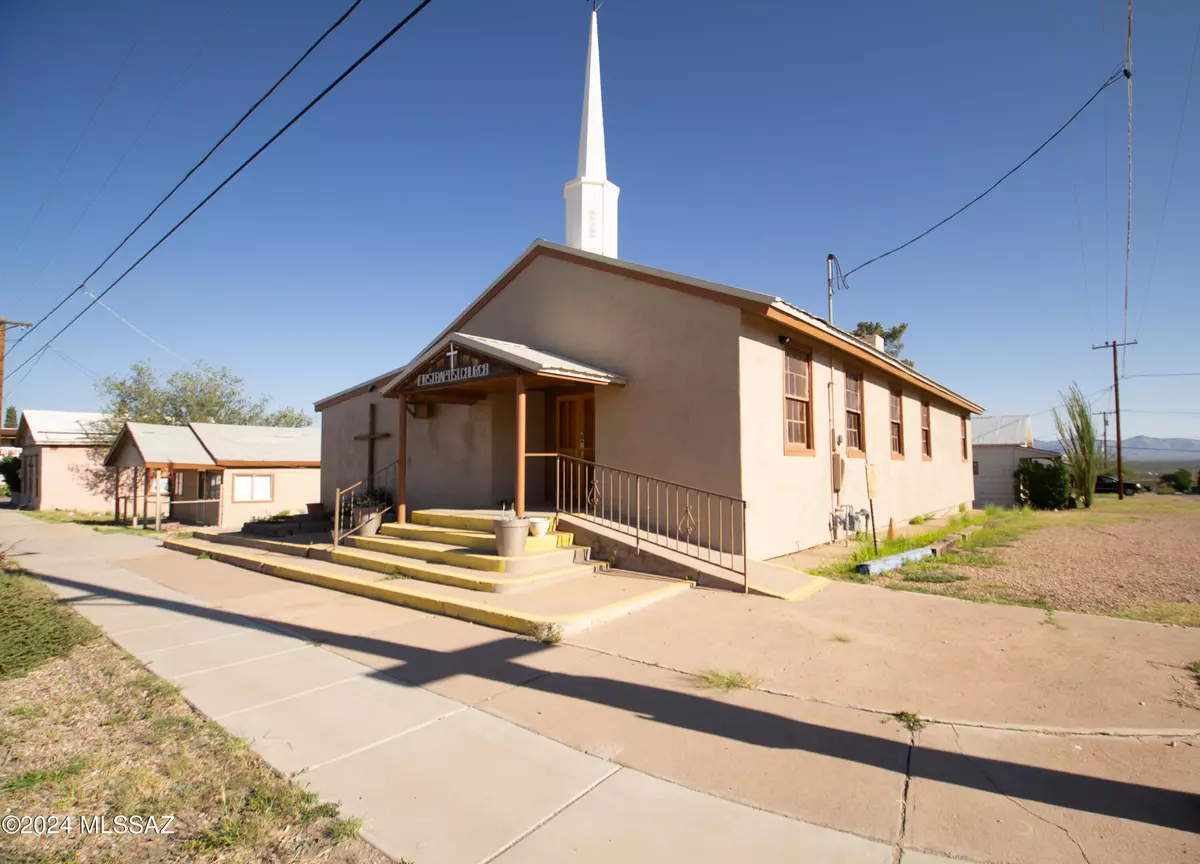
{"points": [[60, 467], [1000, 444], [217, 474]]}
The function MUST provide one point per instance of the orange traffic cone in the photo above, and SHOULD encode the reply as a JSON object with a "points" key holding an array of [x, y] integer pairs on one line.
{"points": [[891, 529]]}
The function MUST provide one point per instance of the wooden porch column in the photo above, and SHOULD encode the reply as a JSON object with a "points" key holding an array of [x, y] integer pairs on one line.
{"points": [[402, 460], [134, 521], [519, 506], [157, 499], [145, 496], [117, 494]]}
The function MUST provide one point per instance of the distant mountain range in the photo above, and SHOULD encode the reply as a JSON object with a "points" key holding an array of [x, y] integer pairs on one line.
{"points": [[1142, 448]]}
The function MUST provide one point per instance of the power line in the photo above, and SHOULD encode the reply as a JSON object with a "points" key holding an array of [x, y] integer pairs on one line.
{"points": [[194, 168], [1187, 92], [139, 331], [39, 354], [87, 128], [1112, 79], [1062, 97], [1163, 375], [1129, 193], [75, 364], [1164, 413], [411, 15], [100, 190]]}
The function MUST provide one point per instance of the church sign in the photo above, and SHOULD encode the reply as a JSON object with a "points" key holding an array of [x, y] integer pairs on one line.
{"points": [[452, 376], [455, 366]]}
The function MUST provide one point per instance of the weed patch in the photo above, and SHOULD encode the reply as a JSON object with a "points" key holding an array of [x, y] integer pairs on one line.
{"points": [[911, 722], [547, 633], [37, 627], [715, 679]]}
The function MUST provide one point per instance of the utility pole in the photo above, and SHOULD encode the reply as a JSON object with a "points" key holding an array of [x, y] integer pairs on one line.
{"points": [[1114, 345], [1104, 414], [4, 325]]}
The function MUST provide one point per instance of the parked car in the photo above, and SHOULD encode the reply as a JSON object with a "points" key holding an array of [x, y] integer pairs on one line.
{"points": [[1105, 483]]}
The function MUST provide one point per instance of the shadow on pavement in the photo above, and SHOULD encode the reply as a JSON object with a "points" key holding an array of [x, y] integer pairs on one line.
{"points": [[498, 661]]}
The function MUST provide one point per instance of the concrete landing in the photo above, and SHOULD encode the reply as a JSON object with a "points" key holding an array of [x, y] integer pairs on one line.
{"points": [[571, 606]]}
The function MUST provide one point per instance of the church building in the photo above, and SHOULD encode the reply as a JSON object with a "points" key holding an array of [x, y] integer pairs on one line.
{"points": [[649, 401]]}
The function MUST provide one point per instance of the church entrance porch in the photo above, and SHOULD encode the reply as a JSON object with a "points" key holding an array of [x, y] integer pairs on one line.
{"points": [[482, 422]]}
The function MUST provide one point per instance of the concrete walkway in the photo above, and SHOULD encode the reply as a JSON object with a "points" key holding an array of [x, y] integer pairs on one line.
{"points": [[462, 744]]}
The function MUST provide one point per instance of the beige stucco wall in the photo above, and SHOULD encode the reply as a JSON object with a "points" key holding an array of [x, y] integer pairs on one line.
{"points": [[344, 460], [294, 489], [677, 417], [66, 475], [790, 497]]}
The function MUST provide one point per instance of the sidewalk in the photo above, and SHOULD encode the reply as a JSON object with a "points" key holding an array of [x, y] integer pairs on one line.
{"points": [[436, 779], [458, 743]]}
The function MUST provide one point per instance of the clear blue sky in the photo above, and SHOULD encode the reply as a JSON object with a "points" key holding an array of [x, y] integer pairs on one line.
{"points": [[748, 140]]}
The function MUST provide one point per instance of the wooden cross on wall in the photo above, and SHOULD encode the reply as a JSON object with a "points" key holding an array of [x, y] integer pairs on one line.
{"points": [[370, 437]]}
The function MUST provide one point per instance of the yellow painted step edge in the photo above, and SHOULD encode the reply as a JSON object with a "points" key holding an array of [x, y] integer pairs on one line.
{"points": [[470, 560], [797, 594], [462, 537], [348, 557], [503, 619]]}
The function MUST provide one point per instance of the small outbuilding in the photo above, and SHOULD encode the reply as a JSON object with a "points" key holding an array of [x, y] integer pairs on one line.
{"points": [[60, 464], [217, 474], [999, 445]]}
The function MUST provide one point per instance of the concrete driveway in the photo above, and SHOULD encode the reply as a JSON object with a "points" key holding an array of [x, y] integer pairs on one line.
{"points": [[462, 744]]}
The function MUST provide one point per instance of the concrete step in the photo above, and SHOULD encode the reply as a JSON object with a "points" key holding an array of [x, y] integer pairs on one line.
{"points": [[482, 541], [469, 520], [562, 607], [445, 553], [388, 564]]}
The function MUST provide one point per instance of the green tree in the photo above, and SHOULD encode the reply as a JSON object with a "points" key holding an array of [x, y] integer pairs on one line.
{"points": [[1182, 479], [10, 472], [195, 395], [893, 337], [11, 417], [1077, 433]]}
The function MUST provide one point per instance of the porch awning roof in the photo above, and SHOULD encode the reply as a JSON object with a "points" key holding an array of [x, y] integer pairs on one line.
{"points": [[523, 357]]}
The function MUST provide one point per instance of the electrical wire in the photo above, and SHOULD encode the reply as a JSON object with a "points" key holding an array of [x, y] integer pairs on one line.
{"points": [[191, 171], [1187, 92], [140, 332], [75, 364], [87, 128], [1163, 375], [1112, 79], [154, 114], [387, 36], [1062, 98], [1129, 157]]}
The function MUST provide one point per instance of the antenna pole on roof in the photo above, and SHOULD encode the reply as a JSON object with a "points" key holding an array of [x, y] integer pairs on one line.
{"points": [[829, 282]]}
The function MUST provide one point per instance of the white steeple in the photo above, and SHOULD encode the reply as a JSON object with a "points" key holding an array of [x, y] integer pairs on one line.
{"points": [[591, 199]]}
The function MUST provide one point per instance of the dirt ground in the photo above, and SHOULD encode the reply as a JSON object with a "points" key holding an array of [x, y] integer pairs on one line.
{"points": [[1138, 558]]}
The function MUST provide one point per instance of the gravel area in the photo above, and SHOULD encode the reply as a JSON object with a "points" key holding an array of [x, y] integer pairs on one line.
{"points": [[1106, 568]]}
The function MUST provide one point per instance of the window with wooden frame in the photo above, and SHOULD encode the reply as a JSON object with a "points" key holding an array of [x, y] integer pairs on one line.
{"points": [[797, 402], [966, 445], [926, 433], [177, 484], [252, 488], [856, 438], [896, 414]]}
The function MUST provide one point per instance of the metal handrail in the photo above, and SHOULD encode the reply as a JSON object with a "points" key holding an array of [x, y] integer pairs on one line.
{"points": [[650, 509], [343, 502]]}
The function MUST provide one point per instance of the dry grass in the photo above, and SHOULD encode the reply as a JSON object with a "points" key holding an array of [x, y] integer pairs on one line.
{"points": [[91, 732], [101, 523], [1130, 559]]}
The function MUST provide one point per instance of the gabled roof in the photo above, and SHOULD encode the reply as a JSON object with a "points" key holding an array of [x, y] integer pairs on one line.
{"points": [[1004, 429], [61, 428], [260, 445], [357, 390], [160, 446], [523, 357], [753, 302]]}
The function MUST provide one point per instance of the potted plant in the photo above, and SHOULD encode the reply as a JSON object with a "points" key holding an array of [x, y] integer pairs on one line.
{"points": [[366, 511], [511, 534]]}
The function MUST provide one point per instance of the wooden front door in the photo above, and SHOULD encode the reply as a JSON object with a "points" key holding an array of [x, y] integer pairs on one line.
{"points": [[575, 426]]}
